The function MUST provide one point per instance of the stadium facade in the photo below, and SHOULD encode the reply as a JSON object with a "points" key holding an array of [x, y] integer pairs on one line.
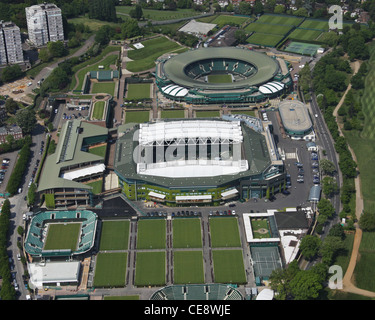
{"points": [[201, 161], [253, 76]]}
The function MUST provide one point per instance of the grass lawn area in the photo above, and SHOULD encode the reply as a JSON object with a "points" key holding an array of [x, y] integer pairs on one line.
{"points": [[364, 269], [114, 235], [138, 91], [137, 116], [307, 35], [315, 24], [159, 15], [103, 87], [50, 200], [110, 269], [93, 24], [98, 110], [144, 58], [97, 186], [284, 20], [99, 151], [121, 298], [151, 234], [207, 114], [62, 236], [93, 64], [263, 39], [224, 232], [228, 266], [150, 268], [258, 225], [170, 114], [188, 267], [267, 28], [223, 20], [187, 233], [219, 78], [245, 112]]}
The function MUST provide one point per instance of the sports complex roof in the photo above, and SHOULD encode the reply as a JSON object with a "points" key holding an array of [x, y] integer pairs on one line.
{"points": [[266, 67], [254, 149], [295, 116]]}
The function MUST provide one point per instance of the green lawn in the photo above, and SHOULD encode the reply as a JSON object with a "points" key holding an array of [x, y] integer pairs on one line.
{"points": [[138, 91], [114, 235], [222, 20], [98, 110], [267, 28], [158, 15], [228, 266], [99, 151], [110, 269], [62, 236], [93, 24], [262, 39], [307, 35], [151, 234], [144, 58], [137, 116], [224, 232], [171, 114], [284, 20], [150, 268], [103, 87], [97, 186], [187, 233], [188, 267], [207, 114], [219, 78]]}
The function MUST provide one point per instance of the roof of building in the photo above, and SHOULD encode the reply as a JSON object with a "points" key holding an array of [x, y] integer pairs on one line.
{"points": [[68, 153], [197, 27], [291, 220], [255, 152], [295, 116], [266, 67]]}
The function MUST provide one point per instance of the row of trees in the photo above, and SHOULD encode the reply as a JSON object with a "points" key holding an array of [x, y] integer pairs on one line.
{"points": [[7, 291]]}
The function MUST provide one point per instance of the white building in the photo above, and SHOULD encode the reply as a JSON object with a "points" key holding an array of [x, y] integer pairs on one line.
{"points": [[10, 44], [44, 24]]}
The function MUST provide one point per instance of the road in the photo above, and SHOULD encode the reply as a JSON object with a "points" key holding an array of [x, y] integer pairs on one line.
{"points": [[19, 207]]}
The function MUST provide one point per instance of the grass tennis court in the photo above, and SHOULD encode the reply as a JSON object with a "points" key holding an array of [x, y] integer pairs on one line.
{"points": [[171, 114], [280, 20], [137, 116], [138, 91], [188, 267], [267, 28], [224, 232], [103, 87], [110, 269], [263, 39], [315, 24], [228, 266], [150, 268], [219, 78], [151, 234], [307, 35], [207, 114], [98, 111], [302, 48], [62, 236], [223, 20], [114, 235], [187, 233]]}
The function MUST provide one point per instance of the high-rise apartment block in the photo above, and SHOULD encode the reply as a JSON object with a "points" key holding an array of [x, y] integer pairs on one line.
{"points": [[44, 24], [10, 43]]}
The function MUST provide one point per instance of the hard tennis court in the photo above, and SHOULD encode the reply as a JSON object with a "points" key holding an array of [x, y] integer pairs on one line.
{"points": [[265, 258], [302, 48]]}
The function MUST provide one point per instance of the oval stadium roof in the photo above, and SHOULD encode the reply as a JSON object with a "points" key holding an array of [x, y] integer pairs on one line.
{"points": [[266, 66]]}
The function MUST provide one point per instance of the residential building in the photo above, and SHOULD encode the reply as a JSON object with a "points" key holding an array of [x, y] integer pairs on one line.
{"points": [[10, 43], [44, 24], [14, 131]]}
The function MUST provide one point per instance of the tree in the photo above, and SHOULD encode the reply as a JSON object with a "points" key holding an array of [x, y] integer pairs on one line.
{"points": [[279, 9], [104, 34], [326, 208], [56, 48], [327, 167], [26, 120], [245, 8], [306, 285], [11, 106], [240, 36], [329, 186], [136, 13], [44, 55], [280, 280], [309, 246], [330, 248], [130, 29], [11, 73], [367, 221]]}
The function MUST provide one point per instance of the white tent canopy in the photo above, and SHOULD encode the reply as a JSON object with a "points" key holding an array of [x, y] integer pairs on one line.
{"points": [[84, 172]]}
